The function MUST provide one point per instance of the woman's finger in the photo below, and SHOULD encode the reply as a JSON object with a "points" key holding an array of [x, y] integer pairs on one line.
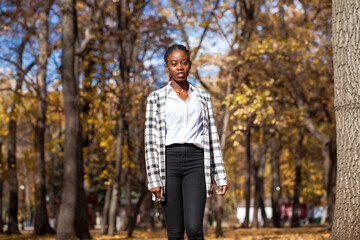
{"points": [[222, 190], [225, 189]]}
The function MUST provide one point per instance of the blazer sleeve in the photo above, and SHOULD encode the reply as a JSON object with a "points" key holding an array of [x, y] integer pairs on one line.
{"points": [[216, 158], [152, 143]]}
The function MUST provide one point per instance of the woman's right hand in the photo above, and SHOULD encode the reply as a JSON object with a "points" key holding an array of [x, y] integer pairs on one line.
{"points": [[158, 191]]}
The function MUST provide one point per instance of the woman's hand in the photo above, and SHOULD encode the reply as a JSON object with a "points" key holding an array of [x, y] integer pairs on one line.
{"points": [[222, 190], [158, 191]]}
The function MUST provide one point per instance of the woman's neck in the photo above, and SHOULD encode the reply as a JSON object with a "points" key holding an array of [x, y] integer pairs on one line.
{"points": [[180, 86]]}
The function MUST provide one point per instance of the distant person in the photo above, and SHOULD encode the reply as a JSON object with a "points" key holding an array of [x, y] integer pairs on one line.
{"points": [[182, 148]]}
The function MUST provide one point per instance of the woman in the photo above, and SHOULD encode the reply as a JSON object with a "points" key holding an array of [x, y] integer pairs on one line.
{"points": [[182, 148]]}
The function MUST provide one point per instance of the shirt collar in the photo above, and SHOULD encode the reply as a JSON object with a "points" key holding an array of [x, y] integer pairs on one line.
{"points": [[169, 88]]}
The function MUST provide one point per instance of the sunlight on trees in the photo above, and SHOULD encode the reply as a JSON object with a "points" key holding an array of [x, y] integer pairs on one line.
{"points": [[268, 66]]}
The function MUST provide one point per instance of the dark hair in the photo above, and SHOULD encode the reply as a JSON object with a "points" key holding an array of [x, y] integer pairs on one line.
{"points": [[174, 47]]}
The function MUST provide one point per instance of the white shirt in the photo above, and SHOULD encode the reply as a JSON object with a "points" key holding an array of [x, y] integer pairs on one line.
{"points": [[184, 120]]}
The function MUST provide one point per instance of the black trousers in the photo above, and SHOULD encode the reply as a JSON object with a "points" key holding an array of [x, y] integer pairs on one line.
{"points": [[185, 194]]}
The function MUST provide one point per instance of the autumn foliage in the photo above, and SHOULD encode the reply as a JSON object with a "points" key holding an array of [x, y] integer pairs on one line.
{"points": [[267, 64]]}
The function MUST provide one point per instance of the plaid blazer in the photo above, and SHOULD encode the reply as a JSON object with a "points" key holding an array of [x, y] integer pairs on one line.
{"points": [[155, 142]]}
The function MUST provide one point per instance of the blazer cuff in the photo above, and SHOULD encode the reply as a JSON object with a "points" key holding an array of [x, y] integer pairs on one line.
{"points": [[221, 182], [154, 185]]}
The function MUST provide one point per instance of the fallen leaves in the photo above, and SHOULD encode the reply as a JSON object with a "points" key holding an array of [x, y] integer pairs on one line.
{"points": [[305, 233]]}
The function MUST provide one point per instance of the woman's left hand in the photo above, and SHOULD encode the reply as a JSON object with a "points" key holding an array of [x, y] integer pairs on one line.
{"points": [[222, 190]]}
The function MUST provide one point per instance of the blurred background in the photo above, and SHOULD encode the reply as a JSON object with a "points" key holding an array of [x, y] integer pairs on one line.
{"points": [[267, 65]]}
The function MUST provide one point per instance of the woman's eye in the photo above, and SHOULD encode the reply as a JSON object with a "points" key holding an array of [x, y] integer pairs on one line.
{"points": [[185, 63]]}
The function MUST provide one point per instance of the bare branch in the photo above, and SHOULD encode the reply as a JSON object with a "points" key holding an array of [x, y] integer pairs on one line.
{"points": [[19, 68], [208, 21], [6, 89], [84, 45]]}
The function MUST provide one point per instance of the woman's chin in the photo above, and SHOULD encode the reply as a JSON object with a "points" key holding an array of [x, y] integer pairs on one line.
{"points": [[180, 79]]}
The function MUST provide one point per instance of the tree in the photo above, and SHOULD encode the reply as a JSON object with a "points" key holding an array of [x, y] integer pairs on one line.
{"points": [[275, 151], [11, 139], [306, 101], [14, 56], [295, 217], [346, 224], [72, 222], [247, 185], [1, 187], [41, 225]]}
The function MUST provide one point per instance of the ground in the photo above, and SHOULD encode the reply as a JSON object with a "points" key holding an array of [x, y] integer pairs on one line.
{"points": [[313, 233]]}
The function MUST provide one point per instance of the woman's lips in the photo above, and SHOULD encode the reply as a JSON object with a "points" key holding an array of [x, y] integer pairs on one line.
{"points": [[180, 74]]}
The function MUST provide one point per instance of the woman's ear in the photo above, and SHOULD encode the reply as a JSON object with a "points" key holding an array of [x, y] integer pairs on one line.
{"points": [[166, 67]]}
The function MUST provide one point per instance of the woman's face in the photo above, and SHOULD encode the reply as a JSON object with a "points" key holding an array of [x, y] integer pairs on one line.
{"points": [[178, 65]]}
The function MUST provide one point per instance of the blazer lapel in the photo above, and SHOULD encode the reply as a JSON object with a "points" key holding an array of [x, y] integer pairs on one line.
{"points": [[204, 109]]}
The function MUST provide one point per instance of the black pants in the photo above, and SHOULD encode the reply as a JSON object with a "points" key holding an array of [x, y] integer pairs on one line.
{"points": [[185, 195]]}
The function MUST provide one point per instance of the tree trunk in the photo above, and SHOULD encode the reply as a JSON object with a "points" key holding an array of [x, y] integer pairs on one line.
{"points": [[128, 205], [146, 220], [13, 183], [1, 189], [247, 172], [81, 218], [331, 187], [51, 181], [206, 217], [255, 221], [223, 127], [72, 222], [41, 225], [133, 218], [11, 149], [140, 153], [262, 207], [11, 138], [329, 177], [295, 217], [105, 214], [346, 224], [27, 195], [113, 208], [259, 182], [275, 180]]}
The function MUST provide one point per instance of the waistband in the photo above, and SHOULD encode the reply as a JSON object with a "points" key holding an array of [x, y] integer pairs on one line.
{"points": [[177, 145]]}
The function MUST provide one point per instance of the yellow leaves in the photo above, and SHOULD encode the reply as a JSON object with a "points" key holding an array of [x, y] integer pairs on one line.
{"points": [[108, 182], [107, 173], [203, 23], [165, 12], [86, 175], [106, 141], [91, 120], [191, 21], [104, 144], [80, 5]]}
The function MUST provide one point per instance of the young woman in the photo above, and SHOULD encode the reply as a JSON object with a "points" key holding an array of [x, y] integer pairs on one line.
{"points": [[182, 148]]}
